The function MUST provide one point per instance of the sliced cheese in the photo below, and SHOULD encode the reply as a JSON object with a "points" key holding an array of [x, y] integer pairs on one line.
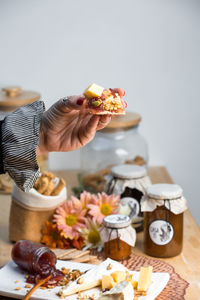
{"points": [[145, 278], [92, 278], [93, 91], [122, 291]]}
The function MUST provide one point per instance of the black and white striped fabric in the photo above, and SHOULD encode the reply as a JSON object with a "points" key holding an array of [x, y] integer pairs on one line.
{"points": [[19, 138]]}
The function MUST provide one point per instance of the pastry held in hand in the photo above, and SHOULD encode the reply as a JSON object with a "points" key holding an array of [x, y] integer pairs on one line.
{"points": [[104, 102]]}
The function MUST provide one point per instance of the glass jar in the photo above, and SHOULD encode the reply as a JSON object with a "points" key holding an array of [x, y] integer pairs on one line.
{"points": [[163, 210], [120, 142], [118, 236], [34, 257], [130, 183], [11, 98]]}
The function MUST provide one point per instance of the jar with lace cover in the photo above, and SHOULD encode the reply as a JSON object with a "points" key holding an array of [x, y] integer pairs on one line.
{"points": [[130, 182], [163, 208], [118, 236]]}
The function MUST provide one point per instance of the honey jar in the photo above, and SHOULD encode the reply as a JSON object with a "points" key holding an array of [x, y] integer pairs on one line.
{"points": [[118, 236], [163, 208], [130, 183]]}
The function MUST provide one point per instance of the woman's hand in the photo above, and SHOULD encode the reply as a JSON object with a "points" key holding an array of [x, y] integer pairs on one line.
{"points": [[67, 126]]}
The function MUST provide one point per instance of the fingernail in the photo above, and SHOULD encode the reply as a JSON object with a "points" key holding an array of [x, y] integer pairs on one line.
{"points": [[80, 101]]}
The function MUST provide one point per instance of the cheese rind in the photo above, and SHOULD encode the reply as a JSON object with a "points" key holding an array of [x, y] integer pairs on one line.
{"points": [[145, 278], [93, 91], [122, 291]]}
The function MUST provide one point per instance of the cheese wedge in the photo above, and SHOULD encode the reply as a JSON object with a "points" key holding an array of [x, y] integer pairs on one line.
{"points": [[132, 281], [122, 291], [92, 278], [107, 282], [119, 276], [145, 278], [93, 91]]}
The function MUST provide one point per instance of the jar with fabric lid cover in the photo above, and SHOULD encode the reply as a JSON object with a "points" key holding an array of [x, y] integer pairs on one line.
{"points": [[130, 183], [118, 236], [11, 98], [163, 208], [120, 142]]}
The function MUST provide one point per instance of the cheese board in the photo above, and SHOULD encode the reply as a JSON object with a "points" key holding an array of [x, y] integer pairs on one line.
{"points": [[13, 283]]}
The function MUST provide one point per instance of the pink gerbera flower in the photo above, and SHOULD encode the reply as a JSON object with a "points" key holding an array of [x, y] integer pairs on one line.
{"points": [[70, 218], [104, 205], [85, 199]]}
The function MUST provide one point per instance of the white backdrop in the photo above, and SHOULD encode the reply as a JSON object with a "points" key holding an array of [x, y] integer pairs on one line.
{"points": [[150, 48]]}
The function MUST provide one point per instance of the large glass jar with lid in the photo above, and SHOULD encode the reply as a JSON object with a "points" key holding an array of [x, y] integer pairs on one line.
{"points": [[120, 142], [11, 98]]}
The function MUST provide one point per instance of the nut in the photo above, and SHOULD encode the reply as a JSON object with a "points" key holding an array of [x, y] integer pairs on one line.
{"points": [[65, 271], [109, 267], [80, 280]]}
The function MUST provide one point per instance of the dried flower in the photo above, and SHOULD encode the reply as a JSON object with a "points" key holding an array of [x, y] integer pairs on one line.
{"points": [[51, 237], [104, 205]]}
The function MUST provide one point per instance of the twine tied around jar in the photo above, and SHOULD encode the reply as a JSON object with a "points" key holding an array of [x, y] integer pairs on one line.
{"points": [[118, 236], [118, 227], [167, 214]]}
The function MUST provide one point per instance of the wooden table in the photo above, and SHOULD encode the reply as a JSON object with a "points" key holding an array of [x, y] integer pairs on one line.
{"points": [[187, 264]]}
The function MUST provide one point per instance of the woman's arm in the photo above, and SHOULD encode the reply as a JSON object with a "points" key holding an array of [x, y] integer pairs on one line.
{"points": [[30, 131]]}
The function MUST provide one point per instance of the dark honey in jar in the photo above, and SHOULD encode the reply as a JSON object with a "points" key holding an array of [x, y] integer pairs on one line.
{"points": [[163, 220], [118, 236]]}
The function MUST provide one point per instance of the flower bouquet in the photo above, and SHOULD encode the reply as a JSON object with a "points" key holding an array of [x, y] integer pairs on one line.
{"points": [[77, 222]]}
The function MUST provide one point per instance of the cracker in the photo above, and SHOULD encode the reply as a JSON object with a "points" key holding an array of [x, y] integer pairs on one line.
{"points": [[59, 187]]}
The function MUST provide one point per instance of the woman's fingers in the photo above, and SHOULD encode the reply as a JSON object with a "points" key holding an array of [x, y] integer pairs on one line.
{"points": [[103, 121], [70, 103], [120, 91]]}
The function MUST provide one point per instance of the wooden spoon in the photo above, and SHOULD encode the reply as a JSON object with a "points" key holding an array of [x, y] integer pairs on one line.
{"points": [[36, 286]]}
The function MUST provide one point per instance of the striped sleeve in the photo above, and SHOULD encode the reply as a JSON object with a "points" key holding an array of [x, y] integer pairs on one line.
{"points": [[20, 137]]}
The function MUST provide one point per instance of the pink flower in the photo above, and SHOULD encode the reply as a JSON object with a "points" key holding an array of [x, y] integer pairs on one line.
{"points": [[85, 199], [103, 206], [70, 218]]}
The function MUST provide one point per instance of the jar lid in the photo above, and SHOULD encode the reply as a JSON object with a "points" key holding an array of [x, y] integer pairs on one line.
{"points": [[12, 97], [130, 119], [128, 171], [116, 221], [164, 191]]}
